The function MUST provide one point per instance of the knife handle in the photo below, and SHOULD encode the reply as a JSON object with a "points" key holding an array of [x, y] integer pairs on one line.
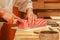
{"points": [[2, 20]]}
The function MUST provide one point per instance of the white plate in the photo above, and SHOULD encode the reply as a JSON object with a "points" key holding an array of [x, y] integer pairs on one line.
{"points": [[55, 17], [31, 29]]}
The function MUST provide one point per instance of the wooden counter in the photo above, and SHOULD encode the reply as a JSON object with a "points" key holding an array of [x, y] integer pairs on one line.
{"points": [[30, 35]]}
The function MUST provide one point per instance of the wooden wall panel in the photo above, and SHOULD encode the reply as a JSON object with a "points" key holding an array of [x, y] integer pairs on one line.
{"points": [[59, 13], [51, 0], [52, 5], [47, 14], [47, 4], [38, 4]]}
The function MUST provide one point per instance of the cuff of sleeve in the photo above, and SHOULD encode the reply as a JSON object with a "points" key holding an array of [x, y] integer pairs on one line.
{"points": [[29, 5]]}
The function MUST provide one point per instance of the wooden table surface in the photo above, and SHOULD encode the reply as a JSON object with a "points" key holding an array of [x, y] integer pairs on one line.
{"points": [[31, 34]]}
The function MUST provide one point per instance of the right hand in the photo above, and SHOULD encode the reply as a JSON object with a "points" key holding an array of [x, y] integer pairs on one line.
{"points": [[6, 16]]}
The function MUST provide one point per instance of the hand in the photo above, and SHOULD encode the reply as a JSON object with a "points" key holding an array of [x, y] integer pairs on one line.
{"points": [[16, 18], [31, 18], [6, 16]]}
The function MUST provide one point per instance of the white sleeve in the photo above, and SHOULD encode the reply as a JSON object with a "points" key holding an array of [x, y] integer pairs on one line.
{"points": [[16, 3], [29, 4], [23, 4], [6, 4]]}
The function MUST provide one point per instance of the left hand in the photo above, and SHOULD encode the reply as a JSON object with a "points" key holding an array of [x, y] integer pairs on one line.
{"points": [[31, 17]]}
